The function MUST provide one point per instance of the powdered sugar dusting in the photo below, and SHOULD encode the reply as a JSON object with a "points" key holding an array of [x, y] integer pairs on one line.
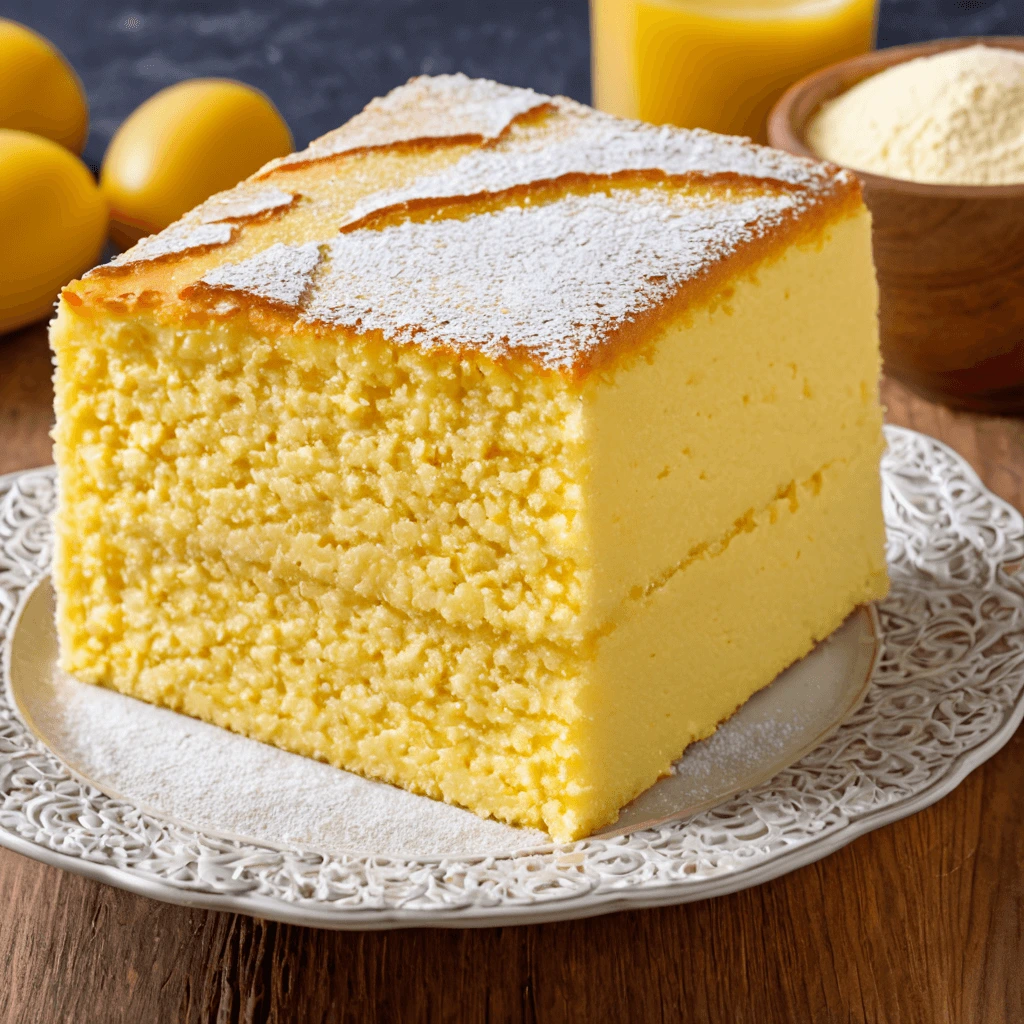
{"points": [[208, 226], [554, 280], [573, 140], [738, 751], [210, 778], [178, 238], [241, 204], [438, 107], [280, 274], [589, 142]]}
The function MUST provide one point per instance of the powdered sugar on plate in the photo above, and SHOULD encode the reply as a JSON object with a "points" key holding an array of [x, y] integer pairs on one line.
{"points": [[209, 778]]}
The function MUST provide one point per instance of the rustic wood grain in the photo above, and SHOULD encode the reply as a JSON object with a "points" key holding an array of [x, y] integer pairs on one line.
{"points": [[26, 400], [922, 920]]}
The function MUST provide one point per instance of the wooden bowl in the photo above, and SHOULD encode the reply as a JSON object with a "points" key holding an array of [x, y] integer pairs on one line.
{"points": [[950, 258]]}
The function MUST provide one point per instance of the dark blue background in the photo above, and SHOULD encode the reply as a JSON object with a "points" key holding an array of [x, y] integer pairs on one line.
{"points": [[321, 60]]}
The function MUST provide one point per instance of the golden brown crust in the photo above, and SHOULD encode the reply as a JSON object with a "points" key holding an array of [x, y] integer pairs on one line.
{"points": [[556, 158]]}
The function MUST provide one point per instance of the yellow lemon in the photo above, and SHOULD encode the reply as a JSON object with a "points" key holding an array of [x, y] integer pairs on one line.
{"points": [[53, 222], [182, 145], [39, 91]]}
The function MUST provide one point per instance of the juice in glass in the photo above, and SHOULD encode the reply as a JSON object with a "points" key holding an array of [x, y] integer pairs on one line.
{"points": [[717, 64]]}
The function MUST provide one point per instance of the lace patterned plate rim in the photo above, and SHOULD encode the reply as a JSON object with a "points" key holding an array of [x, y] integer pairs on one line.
{"points": [[946, 694]]}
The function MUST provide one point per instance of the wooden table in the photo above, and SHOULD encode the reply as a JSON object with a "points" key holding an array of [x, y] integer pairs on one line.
{"points": [[922, 920]]}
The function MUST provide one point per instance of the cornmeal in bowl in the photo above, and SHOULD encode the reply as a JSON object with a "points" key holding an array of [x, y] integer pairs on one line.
{"points": [[491, 446]]}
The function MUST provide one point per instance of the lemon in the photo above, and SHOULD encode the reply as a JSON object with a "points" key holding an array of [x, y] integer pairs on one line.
{"points": [[182, 145], [39, 92], [53, 222]]}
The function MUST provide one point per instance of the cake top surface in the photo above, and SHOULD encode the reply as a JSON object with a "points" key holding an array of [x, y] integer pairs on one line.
{"points": [[464, 215], [438, 107]]}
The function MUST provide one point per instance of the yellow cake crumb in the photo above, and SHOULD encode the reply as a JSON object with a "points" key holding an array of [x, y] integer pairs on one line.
{"points": [[518, 573]]}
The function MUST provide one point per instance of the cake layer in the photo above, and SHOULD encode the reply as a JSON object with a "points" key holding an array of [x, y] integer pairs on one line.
{"points": [[479, 489], [551, 735], [360, 469], [734, 400], [726, 623]]}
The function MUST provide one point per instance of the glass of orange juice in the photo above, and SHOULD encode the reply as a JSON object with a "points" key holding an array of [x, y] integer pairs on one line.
{"points": [[717, 64]]}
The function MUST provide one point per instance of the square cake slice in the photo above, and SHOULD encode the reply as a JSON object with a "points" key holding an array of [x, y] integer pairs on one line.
{"points": [[491, 446]]}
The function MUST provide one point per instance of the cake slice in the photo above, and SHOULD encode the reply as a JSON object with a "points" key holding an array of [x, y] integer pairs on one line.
{"points": [[492, 447]]}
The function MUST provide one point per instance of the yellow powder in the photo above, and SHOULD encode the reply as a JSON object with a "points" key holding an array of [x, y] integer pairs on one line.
{"points": [[956, 118]]}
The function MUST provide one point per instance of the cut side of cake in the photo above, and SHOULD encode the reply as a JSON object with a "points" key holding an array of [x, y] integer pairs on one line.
{"points": [[498, 453]]}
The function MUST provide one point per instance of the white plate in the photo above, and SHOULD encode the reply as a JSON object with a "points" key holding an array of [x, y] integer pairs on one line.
{"points": [[945, 695]]}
